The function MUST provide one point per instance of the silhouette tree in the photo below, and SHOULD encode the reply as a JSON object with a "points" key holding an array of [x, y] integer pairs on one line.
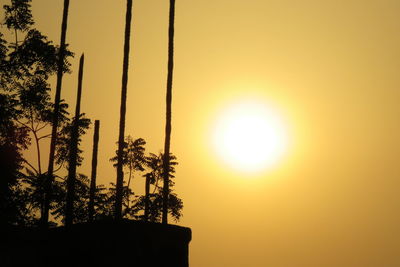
{"points": [[94, 169], [120, 173], [28, 69], [168, 111], [105, 202], [103, 206], [147, 207], [35, 183], [63, 145], [13, 140], [80, 199], [152, 203], [133, 157], [32, 64], [60, 184], [18, 17], [55, 120], [73, 151], [24, 73]]}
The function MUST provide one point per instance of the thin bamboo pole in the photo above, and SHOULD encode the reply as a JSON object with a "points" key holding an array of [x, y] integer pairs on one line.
{"points": [[120, 173], [167, 143], [49, 181], [73, 153], [94, 169]]}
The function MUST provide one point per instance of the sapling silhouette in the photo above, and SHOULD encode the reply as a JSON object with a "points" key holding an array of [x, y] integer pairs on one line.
{"points": [[133, 157], [105, 202], [149, 206], [80, 199], [152, 203]]}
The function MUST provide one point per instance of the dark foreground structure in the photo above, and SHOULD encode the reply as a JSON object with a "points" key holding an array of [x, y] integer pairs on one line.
{"points": [[102, 243]]}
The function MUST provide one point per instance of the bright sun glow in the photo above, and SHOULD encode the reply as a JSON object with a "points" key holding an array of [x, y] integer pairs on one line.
{"points": [[249, 136]]}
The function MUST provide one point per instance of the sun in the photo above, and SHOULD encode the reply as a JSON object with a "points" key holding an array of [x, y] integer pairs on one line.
{"points": [[249, 136]]}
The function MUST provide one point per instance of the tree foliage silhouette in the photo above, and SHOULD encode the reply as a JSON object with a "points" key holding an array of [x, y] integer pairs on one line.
{"points": [[25, 68], [80, 199], [35, 183], [152, 203], [148, 207], [13, 140], [133, 157], [18, 17]]}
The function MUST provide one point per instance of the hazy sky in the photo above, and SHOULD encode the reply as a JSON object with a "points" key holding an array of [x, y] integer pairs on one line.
{"points": [[330, 69]]}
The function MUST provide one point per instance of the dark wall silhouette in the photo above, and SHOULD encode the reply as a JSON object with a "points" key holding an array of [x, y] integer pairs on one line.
{"points": [[138, 244]]}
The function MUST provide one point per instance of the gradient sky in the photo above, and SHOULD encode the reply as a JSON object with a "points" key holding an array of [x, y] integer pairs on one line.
{"points": [[330, 69]]}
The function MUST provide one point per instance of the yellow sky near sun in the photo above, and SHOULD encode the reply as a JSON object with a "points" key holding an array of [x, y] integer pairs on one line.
{"points": [[331, 68]]}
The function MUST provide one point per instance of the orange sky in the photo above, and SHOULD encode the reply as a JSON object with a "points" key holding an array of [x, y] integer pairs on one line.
{"points": [[329, 68]]}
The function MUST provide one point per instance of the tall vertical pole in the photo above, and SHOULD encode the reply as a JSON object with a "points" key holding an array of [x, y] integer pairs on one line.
{"points": [[147, 198], [120, 173], [73, 153], [94, 169], [167, 143], [49, 181]]}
